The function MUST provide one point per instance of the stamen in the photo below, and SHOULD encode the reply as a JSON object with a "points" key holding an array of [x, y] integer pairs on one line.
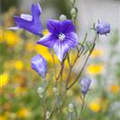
{"points": [[61, 36]]}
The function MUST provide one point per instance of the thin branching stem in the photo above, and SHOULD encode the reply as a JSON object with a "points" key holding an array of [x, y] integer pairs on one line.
{"points": [[82, 107], [54, 64], [76, 79], [59, 74]]}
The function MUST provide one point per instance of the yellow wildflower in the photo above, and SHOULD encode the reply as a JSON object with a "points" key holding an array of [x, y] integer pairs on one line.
{"points": [[45, 32], [4, 79], [18, 65], [97, 53], [114, 88], [3, 117], [20, 90], [95, 106], [44, 51], [10, 38], [23, 113], [99, 104], [94, 69]]}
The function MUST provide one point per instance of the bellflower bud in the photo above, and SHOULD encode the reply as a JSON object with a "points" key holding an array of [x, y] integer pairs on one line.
{"points": [[85, 84], [47, 115], [62, 17], [73, 12], [70, 107], [39, 64], [40, 91], [72, 1], [103, 28], [55, 90]]}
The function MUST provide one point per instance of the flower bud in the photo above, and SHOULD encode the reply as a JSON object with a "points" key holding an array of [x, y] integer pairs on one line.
{"points": [[40, 91], [85, 84], [62, 17], [103, 28], [55, 90], [47, 115], [39, 64], [72, 1], [73, 12], [70, 107]]}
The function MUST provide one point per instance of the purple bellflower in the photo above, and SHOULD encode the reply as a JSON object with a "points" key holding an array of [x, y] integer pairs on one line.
{"points": [[39, 64], [28, 22], [85, 84], [103, 28], [61, 37]]}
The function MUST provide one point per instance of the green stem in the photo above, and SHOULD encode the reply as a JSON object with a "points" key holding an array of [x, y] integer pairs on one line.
{"points": [[62, 66], [94, 42], [54, 64], [82, 107], [44, 109]]}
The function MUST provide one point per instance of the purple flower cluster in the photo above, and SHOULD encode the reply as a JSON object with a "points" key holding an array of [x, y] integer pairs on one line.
{"points": [[61, 38]]}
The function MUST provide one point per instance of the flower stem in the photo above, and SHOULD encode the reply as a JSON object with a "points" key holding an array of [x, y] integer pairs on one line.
{"points": [[62, 67], [94, 43], [54, 64], [79, 53], [82, 107]]}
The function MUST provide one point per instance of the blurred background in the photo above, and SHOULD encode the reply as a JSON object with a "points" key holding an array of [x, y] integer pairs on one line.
{"points": [[18, 83]]}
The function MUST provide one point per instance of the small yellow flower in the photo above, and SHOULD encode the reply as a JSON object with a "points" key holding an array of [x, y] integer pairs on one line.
{"points": [[45, 32], [95, 106], [114, 88], [44, 51], [97, 53], [24, 113], [18, 65], [10, 38], [4, 79], [3, 117], [99, 104], [95, 69], [20, 90]]}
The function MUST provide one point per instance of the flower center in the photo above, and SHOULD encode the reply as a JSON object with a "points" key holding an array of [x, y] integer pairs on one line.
{"points": [[61, 36]]}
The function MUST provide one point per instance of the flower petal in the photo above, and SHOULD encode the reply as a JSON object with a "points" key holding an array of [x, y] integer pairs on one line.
{"points": [[36, 10], [31, 26], [68, 26], [54, 26], [61, 48], [39, 64], [71, 39], [26, 17], [28, 22], [48, 40], [13, 28]]}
